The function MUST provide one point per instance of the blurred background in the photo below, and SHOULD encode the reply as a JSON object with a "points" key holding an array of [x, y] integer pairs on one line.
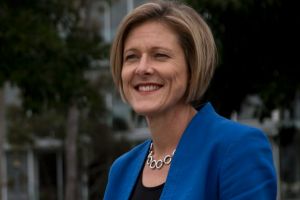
{"points": [[62, 122]]}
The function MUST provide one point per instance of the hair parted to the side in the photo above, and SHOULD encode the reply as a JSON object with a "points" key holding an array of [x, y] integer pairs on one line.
{"points": [[194, 36]]}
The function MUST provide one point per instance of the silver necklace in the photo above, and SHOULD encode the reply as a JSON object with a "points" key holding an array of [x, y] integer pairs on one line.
{"points": [[158, 164]]}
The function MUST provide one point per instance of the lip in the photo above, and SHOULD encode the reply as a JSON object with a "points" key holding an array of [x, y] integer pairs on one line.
{"points": [[147, 87]]}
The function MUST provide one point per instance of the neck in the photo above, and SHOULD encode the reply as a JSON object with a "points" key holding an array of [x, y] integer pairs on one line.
{"points": [[167, 128]]}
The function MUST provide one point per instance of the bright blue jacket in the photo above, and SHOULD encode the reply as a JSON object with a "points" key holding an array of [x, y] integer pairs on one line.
{"points": [[216, 159]]}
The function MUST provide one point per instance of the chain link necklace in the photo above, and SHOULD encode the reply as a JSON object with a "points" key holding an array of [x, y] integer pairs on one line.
{"points": [[158, 164]]}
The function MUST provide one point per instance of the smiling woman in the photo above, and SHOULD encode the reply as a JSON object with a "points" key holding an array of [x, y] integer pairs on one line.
{"points": [[154, 73], [163, 58]]}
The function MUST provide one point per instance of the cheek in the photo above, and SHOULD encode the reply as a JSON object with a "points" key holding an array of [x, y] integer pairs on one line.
{"points": [[125, 80], [181, 83], [178, 85], [180, 77], [124, 85], [124, 76]]}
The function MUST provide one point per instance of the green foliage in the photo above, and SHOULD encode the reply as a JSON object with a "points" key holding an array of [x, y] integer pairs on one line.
{"points": [[25, 127], [19, 128], [44, 51], [257, 42], [28, 35]]}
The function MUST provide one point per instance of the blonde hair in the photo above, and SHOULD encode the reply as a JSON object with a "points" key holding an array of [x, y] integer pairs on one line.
{"points": [[194, 36]]}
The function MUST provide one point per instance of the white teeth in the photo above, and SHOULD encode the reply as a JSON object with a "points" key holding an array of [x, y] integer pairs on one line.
{"points": [[148, 88]]}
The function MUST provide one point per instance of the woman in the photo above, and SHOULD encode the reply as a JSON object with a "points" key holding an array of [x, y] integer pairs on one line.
{"points": [[162, 59]]}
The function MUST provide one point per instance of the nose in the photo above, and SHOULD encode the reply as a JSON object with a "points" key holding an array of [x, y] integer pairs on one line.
{"points": [[144, 66]]}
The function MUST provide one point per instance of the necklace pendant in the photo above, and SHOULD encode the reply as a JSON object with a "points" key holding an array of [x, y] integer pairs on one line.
{"points": [[158, 164], [153, 164]]}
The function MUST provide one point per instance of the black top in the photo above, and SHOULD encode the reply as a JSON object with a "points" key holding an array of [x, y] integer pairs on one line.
{"points": [[146, 193]]}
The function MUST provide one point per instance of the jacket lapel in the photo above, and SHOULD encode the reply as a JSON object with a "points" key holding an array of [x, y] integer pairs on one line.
{"points": [[133, 174], [189, 143]]}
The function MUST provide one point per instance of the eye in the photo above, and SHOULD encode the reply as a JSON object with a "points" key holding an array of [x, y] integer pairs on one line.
{"points": [[130, 57], [161, 56]]}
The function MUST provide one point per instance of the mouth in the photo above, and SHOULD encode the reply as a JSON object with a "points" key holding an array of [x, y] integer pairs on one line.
{"points": [[148, 87]]}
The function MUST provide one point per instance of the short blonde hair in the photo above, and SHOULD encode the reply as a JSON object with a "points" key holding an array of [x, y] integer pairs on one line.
{"points": [[194, 36]]}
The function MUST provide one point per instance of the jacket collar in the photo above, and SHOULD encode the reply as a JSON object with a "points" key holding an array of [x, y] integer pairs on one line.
{"points": [[136, 167], [185, 151], [181, 158]]}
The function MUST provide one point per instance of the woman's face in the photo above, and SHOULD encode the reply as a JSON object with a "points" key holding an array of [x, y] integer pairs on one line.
{"points": [[154, 72]]}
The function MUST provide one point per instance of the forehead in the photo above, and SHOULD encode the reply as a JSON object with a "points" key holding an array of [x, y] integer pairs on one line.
{"points": [[155, 32]]}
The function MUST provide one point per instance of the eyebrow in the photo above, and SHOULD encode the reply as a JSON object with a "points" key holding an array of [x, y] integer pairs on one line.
{"points": [[152, 48]]}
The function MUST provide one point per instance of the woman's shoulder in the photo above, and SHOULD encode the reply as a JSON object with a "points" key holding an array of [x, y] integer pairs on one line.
{"points": [[227, 132], [219, 127], [234, 130], [219, 132], [246, 152]]}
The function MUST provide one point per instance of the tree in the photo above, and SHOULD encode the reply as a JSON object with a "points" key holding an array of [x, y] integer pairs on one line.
{"points": [[46, 47], [255, 41], [2, 134]]}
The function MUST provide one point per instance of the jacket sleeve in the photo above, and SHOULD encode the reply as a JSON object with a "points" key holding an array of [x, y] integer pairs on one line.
{"points": [[108, 190], [247, 170], [113, 189]]}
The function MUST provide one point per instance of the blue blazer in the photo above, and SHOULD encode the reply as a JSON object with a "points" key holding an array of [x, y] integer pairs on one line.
{"points": [[216, 159]]}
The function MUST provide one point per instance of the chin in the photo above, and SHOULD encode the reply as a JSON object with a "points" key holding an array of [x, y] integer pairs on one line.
{"points": [[144, 111]]}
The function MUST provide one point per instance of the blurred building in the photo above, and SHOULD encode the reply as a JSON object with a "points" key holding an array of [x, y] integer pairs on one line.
{"points": [[36, 171], [31, 171]]}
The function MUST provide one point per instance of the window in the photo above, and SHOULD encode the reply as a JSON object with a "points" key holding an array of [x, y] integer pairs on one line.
{"points": [[17, 175]]}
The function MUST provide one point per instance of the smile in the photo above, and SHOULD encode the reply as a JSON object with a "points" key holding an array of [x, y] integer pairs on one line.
{"points": [[148, 87]]}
